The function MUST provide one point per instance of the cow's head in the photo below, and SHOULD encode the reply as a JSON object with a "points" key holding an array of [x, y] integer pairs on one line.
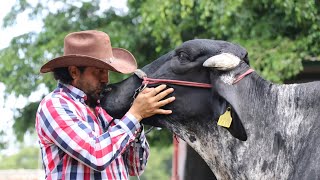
{"points": [[195, 109]]}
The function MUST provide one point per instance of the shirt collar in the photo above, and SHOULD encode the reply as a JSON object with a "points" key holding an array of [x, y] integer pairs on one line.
{"points": [[73, 91]]}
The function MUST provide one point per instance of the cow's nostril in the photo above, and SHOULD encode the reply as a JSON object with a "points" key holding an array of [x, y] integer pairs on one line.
{"points": [[108, 89]]}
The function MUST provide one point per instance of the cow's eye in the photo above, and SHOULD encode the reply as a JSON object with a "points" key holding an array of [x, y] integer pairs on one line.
{"points": [[183, 57]]}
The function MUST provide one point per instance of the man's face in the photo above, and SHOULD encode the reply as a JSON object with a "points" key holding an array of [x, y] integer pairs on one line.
{"points": [[91, 82]]}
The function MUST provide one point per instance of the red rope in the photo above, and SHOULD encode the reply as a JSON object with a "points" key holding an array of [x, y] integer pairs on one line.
{"points": [[147, 80], [175, 160], [243, 75]]}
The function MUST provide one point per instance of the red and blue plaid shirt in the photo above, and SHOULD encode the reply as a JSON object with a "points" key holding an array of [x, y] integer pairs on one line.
{"points": [[75, 144]]}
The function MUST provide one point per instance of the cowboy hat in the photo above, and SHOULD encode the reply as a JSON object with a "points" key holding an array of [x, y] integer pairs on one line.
{"points": [[92, 48]]}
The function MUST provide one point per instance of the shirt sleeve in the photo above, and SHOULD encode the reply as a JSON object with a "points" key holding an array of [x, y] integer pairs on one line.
{"points": [[61, 122], [137, 154]]}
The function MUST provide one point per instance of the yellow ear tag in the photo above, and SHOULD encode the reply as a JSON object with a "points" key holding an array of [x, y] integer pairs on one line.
{"points": [[225, 119]]}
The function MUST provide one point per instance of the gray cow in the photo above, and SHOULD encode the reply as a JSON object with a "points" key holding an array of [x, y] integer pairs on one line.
{"points": [[195, 112], [282, 123], [275, 148]]}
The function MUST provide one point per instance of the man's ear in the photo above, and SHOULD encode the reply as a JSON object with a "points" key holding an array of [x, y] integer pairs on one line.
{"points": [[74, 72]]}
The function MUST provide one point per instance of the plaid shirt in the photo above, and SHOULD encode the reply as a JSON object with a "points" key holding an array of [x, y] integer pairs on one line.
{"points": [[75, 144]]}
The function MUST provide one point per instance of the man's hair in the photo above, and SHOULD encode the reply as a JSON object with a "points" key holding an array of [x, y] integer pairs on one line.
{"points": [[62, 74]]}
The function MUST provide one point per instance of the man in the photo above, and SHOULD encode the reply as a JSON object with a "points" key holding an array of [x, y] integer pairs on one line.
{"points": [[78, 139]]}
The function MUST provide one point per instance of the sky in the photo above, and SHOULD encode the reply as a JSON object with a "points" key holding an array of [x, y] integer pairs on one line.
{"points": [[24, 25], [6, 34]]}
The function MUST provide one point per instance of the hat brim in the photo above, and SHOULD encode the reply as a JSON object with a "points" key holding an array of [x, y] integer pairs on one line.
{"points": [[123, 62]]}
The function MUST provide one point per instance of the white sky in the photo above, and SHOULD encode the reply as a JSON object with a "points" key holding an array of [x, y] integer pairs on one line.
{"points": [[6, 106], [24, 25]]}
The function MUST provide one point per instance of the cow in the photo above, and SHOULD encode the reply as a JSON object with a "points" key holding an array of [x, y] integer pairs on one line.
{"points": [[195, 110], [282, 123]]}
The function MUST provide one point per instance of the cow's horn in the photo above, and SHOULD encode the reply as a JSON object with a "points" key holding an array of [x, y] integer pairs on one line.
{"points": [[223, 61], [140, 73]]}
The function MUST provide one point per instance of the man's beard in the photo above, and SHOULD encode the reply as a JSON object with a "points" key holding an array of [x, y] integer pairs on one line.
{"points": [[92, 100], [92, 97]]}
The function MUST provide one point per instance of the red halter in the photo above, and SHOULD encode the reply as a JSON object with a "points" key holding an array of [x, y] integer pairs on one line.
{"points": [[243, 75], [146, 80]]}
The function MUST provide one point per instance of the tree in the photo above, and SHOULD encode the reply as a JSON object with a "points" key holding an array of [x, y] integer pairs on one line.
{"points": [[278, 35], [20, 62]]}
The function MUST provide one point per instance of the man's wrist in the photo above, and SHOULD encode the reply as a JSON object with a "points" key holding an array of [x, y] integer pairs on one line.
{"points": [[135, 115]]}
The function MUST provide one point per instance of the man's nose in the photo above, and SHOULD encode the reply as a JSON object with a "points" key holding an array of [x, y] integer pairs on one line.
{"points": [[104, 76]]}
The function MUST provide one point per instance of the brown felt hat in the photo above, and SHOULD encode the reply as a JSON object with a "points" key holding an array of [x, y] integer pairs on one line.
{"points": [[92, 48]]}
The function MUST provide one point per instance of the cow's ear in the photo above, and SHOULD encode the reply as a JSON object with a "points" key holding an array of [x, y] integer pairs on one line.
{"points": [[236, 128]]}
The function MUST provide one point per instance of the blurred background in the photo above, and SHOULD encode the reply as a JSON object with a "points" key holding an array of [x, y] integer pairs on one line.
{"points": [[281, 36]]}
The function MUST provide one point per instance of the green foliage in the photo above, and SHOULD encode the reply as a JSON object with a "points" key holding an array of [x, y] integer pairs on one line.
{"points": [[25, 121], [277, 34], [281, 34], [26, 158], [3, 143], [159, 137], [276, 59], [159, 164], [19, 7]]}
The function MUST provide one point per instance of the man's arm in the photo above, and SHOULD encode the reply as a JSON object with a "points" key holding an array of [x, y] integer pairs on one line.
{"points": [[60, 122]]}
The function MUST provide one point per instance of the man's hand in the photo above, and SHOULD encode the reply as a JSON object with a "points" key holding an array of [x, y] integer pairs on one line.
{"points": [[149, 102]]}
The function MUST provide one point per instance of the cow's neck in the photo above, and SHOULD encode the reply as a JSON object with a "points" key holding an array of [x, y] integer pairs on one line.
{"points": [[280, 107]]}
